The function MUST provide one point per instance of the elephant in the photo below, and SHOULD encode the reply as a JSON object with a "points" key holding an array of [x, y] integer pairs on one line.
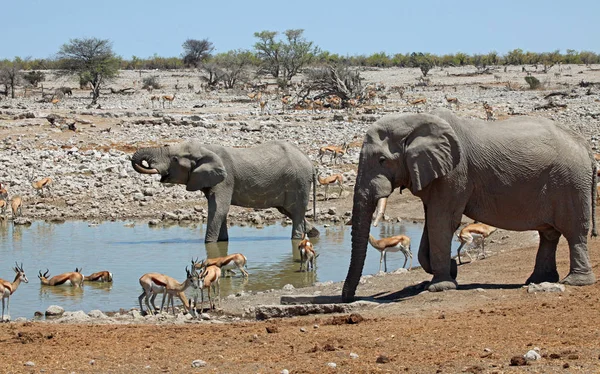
{"points": [[274, 174], [519, 174]]}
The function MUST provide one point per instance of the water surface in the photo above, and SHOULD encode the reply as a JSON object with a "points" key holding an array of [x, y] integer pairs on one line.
{"points": [[129, 250]]}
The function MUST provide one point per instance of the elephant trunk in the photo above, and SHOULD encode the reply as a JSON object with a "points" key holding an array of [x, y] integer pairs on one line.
{"points": [[144, 154], [362, 212]]}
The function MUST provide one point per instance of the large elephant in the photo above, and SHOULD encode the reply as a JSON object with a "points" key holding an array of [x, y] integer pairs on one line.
{"points": [[274, 174], [519, 174]]}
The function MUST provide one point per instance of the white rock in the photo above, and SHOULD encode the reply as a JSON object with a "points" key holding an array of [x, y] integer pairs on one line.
{"points": [[198, 364], [54, 310], [353, 355], [332, 365], [545, 287], [29, 363], [532, 356]]}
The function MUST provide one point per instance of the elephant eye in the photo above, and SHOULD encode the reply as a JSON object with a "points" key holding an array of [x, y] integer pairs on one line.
{"points": [[382, 159], [175, 159]]}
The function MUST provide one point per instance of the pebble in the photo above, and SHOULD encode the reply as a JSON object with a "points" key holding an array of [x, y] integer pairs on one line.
{"points": [[285, 371], [532, 355], [332, 365], [353, 355], [29, 363], [198, 364]]}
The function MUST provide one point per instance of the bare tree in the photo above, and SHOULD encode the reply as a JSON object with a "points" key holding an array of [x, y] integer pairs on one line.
{"points": [[11, 76], [92, 59], [196, 51], [334, 80]]}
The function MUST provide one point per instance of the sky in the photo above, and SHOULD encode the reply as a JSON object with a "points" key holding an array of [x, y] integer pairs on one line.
{"points": [[143, 28]]}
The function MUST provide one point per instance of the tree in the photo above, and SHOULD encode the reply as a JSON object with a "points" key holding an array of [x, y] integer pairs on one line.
{"points": [[34, 77], [196, 51], [10, 75], [296, 53], [233, 66], [287, 57], [268, 51], [92, 59]]}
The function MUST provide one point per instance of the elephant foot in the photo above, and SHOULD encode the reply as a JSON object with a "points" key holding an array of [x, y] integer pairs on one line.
{"points": [[579, 279], [313, 233], [539, 277], [441, 285]]}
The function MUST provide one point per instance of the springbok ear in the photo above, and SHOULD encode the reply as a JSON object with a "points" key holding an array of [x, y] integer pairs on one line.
{"points": [[208, 170], [432, 151]]}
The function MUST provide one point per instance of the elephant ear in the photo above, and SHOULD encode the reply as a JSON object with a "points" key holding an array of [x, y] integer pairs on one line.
{"points": [[207, 171], [432, 151]]}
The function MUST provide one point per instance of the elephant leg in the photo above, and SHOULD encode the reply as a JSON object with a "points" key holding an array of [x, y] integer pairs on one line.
{"points": [[440, 228], [545, 260], [216, 227], [580, 271]]}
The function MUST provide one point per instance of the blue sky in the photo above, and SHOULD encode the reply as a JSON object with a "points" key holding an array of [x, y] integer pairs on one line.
{"points": [[37, 28]]}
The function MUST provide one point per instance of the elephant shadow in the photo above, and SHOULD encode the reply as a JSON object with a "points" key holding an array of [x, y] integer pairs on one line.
{"points": [[415, 289]]}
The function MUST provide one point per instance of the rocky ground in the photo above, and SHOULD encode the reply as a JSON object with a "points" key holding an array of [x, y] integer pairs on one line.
{"points": [[476, 329]]}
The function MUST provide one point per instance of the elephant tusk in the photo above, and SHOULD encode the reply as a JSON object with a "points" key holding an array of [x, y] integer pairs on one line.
{"points": [[143, 170], [380, 211]]}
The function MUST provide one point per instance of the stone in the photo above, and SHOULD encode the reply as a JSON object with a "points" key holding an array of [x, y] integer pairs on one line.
{"points": [[54, 310], [332, 365], [97, 314], [545, 287], [532, 356], [198, 364], [29, 363]]}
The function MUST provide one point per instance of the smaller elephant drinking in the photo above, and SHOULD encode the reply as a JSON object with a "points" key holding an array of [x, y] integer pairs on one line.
{"points": [[275, 174]]}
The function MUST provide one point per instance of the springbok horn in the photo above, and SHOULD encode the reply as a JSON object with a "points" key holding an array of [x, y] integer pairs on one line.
{"points": [[380, 211], [143, 170]]}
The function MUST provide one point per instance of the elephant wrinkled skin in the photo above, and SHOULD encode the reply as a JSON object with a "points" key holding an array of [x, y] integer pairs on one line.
{"points": [[274, 174], [520, 174]]}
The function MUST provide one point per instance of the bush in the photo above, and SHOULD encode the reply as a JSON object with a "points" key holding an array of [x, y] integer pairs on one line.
{"points": [[151, 82], [34, 77], [533, 82]]}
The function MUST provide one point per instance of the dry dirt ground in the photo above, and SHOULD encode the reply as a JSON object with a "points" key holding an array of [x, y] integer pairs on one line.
{"points": [[477, 329]]}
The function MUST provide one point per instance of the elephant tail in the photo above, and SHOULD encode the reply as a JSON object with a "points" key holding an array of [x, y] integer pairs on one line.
{"points": [[594, 197]]}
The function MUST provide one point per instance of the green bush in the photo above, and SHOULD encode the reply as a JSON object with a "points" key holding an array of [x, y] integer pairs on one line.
{"points": [[533, 82], [151, 82]]}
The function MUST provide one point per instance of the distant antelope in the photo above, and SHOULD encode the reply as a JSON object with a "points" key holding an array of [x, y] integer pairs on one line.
{"points": [[421, 100], [327, 181], [3, 193], [41, 184], [7, 288], [74, 278], [398, 243], [154, 99], [168, 98], [471, 231], [15, 204], [335, 152], [452, 100], [489, 111]]}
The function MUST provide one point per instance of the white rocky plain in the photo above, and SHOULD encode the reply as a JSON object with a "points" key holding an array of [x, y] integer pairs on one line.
{"points": [[91, 169]]}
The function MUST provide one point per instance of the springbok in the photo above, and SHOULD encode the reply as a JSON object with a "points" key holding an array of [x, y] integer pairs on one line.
{"points": [[100, 276], [155, 283], [327, 181], [7, 288], [334, 152], [3, 205], [168, 98], [398, 243], [74, 278], [472, 231], [15, 205], [307, 254], [209, 279], [237, 259], [3, 193], [41, 184]]}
